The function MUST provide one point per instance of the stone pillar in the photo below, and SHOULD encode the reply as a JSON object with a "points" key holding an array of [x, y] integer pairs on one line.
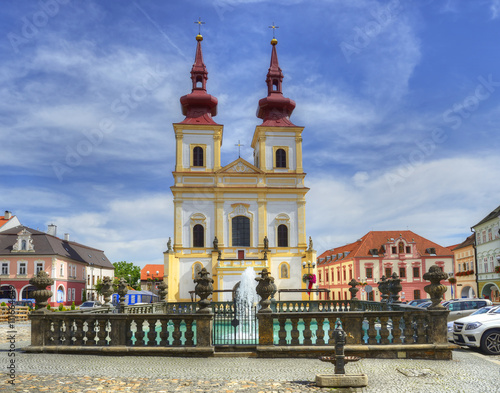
{"points": [[204, 330], [266, 332], [438, 326]]}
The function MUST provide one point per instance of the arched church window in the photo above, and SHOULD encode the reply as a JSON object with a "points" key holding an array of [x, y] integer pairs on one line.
{"points": [[198, 156], [241, 231], [198, 236], [280, 158], [199, 82], [282, 236], [275, 85]]}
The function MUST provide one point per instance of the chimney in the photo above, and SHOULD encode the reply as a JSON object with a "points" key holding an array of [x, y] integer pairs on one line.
{"points": [[52, 230], [7, 215], [66, 237]]}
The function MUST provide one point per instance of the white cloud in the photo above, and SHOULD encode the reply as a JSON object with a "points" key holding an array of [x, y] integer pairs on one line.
{"points": [[495, 9]]}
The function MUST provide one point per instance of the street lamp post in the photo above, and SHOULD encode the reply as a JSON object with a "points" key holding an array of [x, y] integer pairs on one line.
{"points": [[309, 266]]}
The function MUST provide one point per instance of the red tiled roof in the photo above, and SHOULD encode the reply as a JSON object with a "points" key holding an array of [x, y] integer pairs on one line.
{"points": [[152, 271], [376, 239]]}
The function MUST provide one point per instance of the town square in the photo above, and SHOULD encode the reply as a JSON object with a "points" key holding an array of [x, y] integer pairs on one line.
{"points": [[261, 196]]}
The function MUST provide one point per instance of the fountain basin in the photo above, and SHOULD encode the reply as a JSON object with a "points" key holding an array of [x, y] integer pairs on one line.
{"points": [[332, 360], [341, 380]]}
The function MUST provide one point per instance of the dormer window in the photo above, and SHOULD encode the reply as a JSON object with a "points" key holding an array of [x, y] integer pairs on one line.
{"points": [[24, 242]]}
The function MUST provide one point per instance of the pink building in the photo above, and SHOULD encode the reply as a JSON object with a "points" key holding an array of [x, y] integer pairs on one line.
{"points": [[381, 253], [25, 251]]}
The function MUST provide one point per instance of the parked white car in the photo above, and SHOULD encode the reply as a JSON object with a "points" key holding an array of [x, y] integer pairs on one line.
{"points": [[479, 331]]}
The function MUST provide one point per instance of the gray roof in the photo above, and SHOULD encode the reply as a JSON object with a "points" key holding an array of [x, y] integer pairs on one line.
{"points": [[45, 244], [467, 242], [494, 214]]}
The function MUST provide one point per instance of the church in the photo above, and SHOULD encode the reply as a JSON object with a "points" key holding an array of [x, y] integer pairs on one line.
{"points": [[231, 217]]}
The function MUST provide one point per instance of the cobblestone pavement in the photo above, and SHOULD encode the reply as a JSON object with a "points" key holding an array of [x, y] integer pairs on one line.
{"points": [[469, 371]]}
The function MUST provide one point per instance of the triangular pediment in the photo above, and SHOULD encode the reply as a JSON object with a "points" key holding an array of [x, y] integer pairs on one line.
{"points": [[240, 166]]}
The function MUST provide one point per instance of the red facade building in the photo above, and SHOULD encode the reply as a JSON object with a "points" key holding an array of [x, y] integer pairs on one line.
{"points": [[381, 253]]}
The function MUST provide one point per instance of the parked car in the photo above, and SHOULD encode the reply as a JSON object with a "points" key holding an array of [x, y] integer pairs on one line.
{"points": [[464, 307], [23, 303], [479, 331], [416, 302], [481, 310], [90, 304]]}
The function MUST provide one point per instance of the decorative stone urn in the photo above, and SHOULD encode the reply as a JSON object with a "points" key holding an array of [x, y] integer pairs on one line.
{"points": [[122, 291], [265, 289], [394, 288], [383, 287], [107, 290], [42, 294], [435, 289], [353, 288], [203, 290], [163, 291]]}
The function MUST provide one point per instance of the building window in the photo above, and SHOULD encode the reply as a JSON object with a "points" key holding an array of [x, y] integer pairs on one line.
{"points": [[61, 270], [394, 250], [5, 268], [345, 275], [39, 267], [416, 272], [198, 156], [408, 249], [338, 275], [416, 294], [22, 268], [485, 261], [88, 279], [23, 244], [402, 272], [241, 231], [484, 236], [327, 277], [320, 277], [401, 247], [369, 272], [198, 236], [370, 296], [350, 274], [388, 271], [490, 235], [282, 236], [280, 158]]}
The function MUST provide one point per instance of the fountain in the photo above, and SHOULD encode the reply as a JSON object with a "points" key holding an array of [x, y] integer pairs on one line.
{"points": [[245, 303]]}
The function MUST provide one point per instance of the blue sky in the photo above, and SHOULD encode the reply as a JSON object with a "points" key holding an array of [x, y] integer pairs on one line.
{"points": [[400, 101]]}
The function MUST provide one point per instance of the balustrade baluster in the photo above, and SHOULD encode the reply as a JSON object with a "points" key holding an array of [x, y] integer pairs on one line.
{"points": [[177, 333], [72, 332], [152, 334], [189, 333], [396, 330], [384, 331], [295, 331], [164, 332], [307, 331], [63, 331], [102, 333], [320, 333], [421, 329], [282, 331], [139, 334], [372, 332]]}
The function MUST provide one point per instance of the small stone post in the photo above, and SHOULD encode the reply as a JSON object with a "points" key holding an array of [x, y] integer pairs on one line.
{"points": [[204, 289], [340, 340], [438, 313], [122, 291], [383, 287]]}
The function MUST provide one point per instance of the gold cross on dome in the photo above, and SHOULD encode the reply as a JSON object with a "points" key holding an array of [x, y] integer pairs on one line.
{"points": [[239, 148], [199, 24], [274, 27]]}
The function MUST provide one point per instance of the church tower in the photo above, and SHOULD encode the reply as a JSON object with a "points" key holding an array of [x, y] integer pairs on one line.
{"points": [[241, 215]]}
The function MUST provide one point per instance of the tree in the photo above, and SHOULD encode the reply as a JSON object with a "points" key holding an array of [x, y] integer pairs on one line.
{"points": [[130, 272]]}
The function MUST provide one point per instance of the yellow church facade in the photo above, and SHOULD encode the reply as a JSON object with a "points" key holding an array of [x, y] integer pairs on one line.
{"points": [[228, 218]]}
